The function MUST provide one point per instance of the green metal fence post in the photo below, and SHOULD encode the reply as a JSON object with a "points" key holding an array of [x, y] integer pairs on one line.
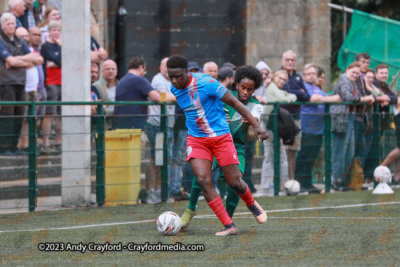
{"points": [[277, 151], [376, 141], [33, 172], [328, 149], [164, 168], [100, 150]]}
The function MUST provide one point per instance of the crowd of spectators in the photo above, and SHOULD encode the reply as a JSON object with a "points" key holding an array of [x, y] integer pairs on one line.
{"points": [[351, 139], [30, 59], [30, 63]]}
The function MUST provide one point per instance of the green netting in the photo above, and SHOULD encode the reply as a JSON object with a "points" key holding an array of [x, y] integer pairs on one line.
{"points": [[377, 36]]}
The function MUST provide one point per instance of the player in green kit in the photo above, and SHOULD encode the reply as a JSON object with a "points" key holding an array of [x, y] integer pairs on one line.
{"points": [[247, 79]]}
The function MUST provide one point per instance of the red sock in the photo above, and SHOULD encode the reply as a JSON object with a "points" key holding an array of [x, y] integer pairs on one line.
{"points": [[219, 210], [247, 197]]}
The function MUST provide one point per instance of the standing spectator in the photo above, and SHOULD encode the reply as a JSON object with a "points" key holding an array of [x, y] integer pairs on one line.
{"points": [[369, 79], [193, 66], [133, 87], [97, 53], [17, 8], [269, 79], [225, 77], [179, 166], [294, 85], [313, 126], [364, 60], [211, 68], [35, 39], [31, 85], [107, 84], [343, 118], [382, 75], [55, 3], [94, 22], [95, 95], [94, 73], [388, 97], [360, 128], [40, 5], [229, 65], [50, 14], [161, 84], [274, 93], [233, 67], [31, 16], [367, 158], [15, 56], [51, 52], [260, 92], [320, 77]]}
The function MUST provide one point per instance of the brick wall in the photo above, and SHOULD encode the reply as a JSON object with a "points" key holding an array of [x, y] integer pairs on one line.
{"points": [[275, 26]]}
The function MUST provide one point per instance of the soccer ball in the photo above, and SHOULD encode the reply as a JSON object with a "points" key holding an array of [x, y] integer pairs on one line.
{"points": [[169, 223], [382, 174], [292, 187]]}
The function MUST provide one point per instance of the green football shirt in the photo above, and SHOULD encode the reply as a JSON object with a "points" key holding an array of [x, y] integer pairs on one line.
{"points": [[237, 127]]}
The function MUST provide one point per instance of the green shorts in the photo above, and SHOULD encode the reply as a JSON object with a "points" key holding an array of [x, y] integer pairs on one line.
{"points": [[241, 163]]}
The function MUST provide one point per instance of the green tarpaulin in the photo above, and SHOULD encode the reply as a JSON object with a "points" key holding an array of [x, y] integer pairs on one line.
{"points": [[377, 36]]}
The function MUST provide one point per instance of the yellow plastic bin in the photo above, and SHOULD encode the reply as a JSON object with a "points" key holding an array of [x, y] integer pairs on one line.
{"points": [[123, 156]]}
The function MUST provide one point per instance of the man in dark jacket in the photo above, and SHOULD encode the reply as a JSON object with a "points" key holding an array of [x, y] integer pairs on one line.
{"points": [[295, 85], [15, 57], [382, 75], [31, 16]]}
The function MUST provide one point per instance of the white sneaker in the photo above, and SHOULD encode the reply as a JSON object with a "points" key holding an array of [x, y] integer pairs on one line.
{"points": [[153, 198]]}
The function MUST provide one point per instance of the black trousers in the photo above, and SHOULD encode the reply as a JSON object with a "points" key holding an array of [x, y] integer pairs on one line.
{"points": [[11, 117], [310, 147]]}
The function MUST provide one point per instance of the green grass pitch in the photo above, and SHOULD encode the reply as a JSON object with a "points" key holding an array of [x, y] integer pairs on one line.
{"points": [[342, 229]]}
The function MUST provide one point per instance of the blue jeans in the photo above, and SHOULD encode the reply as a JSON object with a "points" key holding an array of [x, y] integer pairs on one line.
{"points": [[360, 140], [178, 160], [151, 131], [343, 150], [310, 147], [368, 144]]}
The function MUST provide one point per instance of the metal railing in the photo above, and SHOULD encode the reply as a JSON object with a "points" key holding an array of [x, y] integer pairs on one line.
{"points": [[100, 143], [327, 140]]}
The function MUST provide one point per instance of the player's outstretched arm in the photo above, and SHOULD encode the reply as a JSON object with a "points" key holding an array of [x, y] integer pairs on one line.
{"points": [[229, 99]]}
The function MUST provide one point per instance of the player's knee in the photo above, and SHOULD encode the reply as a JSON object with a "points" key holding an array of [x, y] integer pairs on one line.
{"points": [[236, 185], [202, 180]]}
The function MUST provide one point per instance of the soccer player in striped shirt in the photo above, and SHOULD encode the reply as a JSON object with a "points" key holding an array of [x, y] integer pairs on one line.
{"points": [[200, 97], [247, 80]]}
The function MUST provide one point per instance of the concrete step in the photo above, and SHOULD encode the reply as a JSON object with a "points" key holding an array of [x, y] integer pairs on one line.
{"points": [[16, 167], [46, 187], [12, 206]]}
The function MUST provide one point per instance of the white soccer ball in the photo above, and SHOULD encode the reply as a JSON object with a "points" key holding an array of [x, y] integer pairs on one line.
{"points": [[292, 187], [169, 223], [382, 174]]}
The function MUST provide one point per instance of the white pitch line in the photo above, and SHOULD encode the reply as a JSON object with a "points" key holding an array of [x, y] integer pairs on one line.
{"points": [[300, 218], [213, 216]]}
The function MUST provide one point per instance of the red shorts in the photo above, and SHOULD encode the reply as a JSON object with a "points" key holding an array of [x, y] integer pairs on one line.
{"points": [[221, 147]]}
